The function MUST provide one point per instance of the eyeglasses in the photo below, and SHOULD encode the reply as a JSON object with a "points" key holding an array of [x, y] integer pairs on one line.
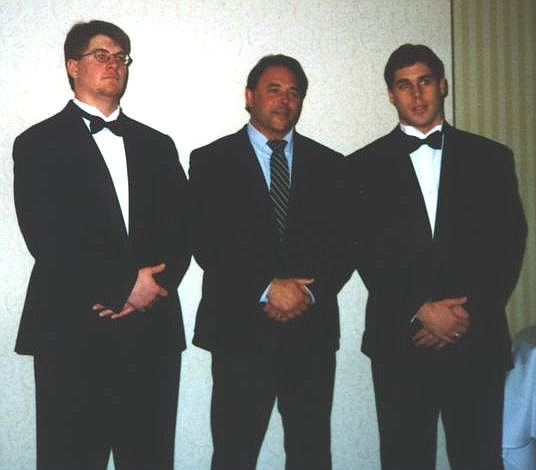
{"points": [[102, 56]]}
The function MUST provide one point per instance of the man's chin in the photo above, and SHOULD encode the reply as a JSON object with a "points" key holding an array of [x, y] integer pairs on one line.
{"points": [[111, 92]]}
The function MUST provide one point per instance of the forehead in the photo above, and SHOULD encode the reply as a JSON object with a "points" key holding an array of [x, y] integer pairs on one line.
{"points": [[100, 41], [278, 74], [410, 72]]}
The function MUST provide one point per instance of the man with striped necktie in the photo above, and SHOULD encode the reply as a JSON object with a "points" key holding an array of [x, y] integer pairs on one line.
{"points": [[265, 207]]}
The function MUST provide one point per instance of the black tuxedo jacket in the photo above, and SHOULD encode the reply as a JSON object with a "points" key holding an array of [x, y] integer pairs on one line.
{"points": [[71, 220], [237, 245], [476, 251]]}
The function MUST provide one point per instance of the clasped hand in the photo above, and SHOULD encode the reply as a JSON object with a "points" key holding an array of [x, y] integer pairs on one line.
{"points": [[287, 298], [444, 322], [144, 294]]}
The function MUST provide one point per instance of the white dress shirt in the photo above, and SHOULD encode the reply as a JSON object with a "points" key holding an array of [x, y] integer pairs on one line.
{"points": [[427, 165]]}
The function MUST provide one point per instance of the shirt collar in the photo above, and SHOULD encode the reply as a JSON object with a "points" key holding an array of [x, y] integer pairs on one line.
{"points": [[260, 142], [88, 108], [410, 130]]}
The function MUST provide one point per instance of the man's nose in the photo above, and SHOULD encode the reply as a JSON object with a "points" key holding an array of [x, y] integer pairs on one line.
{"points": [[284, 97], [113, 63]]}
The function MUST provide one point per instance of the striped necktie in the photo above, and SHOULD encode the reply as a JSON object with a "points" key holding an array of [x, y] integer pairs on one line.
{"points": [[279, 183]]}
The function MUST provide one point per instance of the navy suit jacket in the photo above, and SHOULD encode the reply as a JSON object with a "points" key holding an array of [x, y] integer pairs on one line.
{"points": [[71, 221], [476, 251], [236, 243]]}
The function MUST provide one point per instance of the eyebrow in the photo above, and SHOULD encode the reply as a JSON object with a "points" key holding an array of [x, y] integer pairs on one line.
{"points": [[279, 84], [120, 51], [420, 77]]}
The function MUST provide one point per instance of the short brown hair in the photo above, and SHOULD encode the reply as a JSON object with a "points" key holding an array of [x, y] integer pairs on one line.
{"points": [[408, 55], [80, 34]]}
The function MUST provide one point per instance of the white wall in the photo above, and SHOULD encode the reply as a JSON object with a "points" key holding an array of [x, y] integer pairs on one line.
{"points": [[191, 59]]}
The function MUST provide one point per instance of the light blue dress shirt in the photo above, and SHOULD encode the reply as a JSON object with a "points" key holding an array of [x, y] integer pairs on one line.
{"points": [[264, 152]]}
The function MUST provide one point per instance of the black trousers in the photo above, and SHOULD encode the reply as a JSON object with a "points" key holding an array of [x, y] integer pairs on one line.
{"points": [[245, 388], [91, 404], [409, 400]]}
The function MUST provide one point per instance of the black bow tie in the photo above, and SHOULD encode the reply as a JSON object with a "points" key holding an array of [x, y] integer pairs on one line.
{"points": [[412, 143], [96, 123]]}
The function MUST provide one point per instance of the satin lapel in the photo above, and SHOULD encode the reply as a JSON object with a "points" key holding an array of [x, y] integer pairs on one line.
{"points": [[82, 145], [135, 152], [448, 185], [408, 184]]}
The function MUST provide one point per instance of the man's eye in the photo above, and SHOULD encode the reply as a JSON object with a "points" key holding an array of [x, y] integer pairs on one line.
{"points": [[101, 56]]}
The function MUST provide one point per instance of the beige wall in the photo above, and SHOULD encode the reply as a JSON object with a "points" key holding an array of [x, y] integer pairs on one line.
{"points": [[494, 95], [191, 58]]}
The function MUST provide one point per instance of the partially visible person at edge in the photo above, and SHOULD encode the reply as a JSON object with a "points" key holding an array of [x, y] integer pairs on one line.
{"points": [[439, 238], [100, 200]]}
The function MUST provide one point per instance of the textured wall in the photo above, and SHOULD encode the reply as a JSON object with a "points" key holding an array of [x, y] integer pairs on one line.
{"points": [[191, 59], [494, 77]]}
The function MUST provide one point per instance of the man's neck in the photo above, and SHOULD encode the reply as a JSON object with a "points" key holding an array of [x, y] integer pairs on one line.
{"points": [[417, 132], [105, 106]]}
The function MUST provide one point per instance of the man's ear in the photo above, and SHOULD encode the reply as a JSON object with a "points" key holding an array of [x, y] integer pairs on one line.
{"points": [[443, 87], [249, 98], [391, 96], [72, 68]]}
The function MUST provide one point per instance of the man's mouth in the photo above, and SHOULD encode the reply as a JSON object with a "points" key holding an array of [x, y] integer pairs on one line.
{"points": [[281, 112], [419, 109]]}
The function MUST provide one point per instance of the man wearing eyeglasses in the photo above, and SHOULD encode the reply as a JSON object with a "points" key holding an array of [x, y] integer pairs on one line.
{"points": [[100, 201]]}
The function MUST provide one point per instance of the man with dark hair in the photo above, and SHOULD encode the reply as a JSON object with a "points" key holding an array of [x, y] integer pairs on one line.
{"points": [[410, 54], [100, 200], [278, 60], [265, 203], [81, 34], [439, 238]]}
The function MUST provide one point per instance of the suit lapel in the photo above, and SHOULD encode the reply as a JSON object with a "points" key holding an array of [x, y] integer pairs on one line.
{"points": [[81, 143], [449, 184], [299, 173], [134, 151], [255, 187], [407, 184], [249, 164]]}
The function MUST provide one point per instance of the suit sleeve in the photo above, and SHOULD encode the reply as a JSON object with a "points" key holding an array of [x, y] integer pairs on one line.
{"points": [[66, 254], [333, 257], [493, 267], [174, 213], [223, 245]]}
